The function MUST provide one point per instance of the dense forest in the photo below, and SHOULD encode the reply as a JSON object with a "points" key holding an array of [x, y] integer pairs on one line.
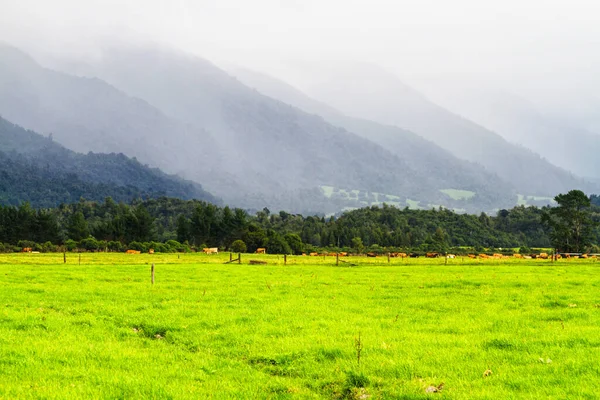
{"points": [[168, 224], [36, 169]]}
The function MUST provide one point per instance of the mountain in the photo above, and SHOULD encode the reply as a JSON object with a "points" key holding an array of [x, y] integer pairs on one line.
{"points": [[37, 169], [569, 143], [246, 147], [369, 92], [87, 114], [444, 169], [268, 141]]}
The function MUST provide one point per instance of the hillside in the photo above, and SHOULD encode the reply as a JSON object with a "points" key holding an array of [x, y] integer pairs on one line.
{"points": [[267, 138], [185, 115], [369, 92], [446, 170], [39, 170], [87, 114], [566, 142]]}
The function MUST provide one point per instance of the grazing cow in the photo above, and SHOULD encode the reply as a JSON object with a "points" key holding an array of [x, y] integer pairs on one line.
{"points": [[472, 256], [211, 250], [451, 256], [484, 256], [496, 255], [343, 254], [414, 255], [371, 255], [394, 255], [151, 251], [332, 254], [133, 252], [26, 250], [584, 256], [432, 255], [314, 254], [261, 250], [517, 256], [543, 256], [403, 255]]}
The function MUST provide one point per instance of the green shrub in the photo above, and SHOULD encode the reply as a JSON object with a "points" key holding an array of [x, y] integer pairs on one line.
{"points": [[238, 246]]}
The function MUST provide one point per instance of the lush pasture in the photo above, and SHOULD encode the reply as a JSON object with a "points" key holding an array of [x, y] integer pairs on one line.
{"points": [[209, 330]]}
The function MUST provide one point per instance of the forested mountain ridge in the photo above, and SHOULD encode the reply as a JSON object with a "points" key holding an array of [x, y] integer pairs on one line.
{"points": [[267, 153], [446, 170], [272, 145], [87, 114], [41, 171], [372, 93]]}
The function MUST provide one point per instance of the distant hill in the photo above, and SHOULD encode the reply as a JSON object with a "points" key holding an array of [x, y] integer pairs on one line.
{"points": [[39, 170], [370, 92], [569, 143], [445, 170], [185, 115], [267, 138], [87, 114]]}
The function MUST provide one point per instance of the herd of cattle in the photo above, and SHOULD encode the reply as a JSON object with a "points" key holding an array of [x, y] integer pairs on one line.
{"points": [[483, 256]]}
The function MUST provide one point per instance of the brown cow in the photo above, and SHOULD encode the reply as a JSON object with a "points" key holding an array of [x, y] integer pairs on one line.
{"points": [[261, 250], [371, 255], [432, 255]]}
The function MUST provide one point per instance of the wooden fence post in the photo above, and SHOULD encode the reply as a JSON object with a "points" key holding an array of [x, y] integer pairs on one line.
{"points": [[79, 258], [337, 258], [285, 259], [230, 256], [152, 273], [388, 257], [446, 259], [239, 258], [65, 257]]}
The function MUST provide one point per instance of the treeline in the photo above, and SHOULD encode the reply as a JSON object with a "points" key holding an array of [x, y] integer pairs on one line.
{"points": [[168, 224]]}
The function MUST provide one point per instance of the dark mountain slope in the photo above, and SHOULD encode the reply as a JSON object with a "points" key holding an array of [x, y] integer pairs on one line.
{"points": [[266, 138], [89, 115], [445, 170], [44, 172]]}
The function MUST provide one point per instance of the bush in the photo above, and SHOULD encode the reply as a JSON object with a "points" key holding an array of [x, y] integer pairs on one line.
{"points": [[48, 247], [70, 245], [174, 246], [116, 246], [524, 250], [277, 245], [238, 246], [137, 246], [295, 243], [26, 244], [89, 244]]}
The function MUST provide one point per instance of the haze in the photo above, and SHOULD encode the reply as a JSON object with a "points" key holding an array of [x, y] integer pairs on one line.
{"points": [[480, 97], [532, 43]]}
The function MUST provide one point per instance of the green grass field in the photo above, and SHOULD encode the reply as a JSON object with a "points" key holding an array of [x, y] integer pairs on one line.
{"points": [[209, 330]]}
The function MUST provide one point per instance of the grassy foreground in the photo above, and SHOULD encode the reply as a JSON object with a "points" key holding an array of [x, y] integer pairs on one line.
{"points": [[208, 330]]}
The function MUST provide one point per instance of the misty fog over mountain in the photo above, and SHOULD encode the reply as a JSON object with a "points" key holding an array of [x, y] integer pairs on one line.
{"points": [[311, 106]]}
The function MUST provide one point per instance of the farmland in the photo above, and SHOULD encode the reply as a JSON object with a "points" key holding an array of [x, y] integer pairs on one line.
{"points": [[475, 329]]}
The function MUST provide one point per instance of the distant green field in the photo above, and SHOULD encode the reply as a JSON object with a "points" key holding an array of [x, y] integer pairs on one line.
{"points": [[524, 200], [210, 330], [456, 194]]}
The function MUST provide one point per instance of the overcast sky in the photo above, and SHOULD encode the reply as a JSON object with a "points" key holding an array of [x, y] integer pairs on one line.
{"points": [[531, 43]]}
